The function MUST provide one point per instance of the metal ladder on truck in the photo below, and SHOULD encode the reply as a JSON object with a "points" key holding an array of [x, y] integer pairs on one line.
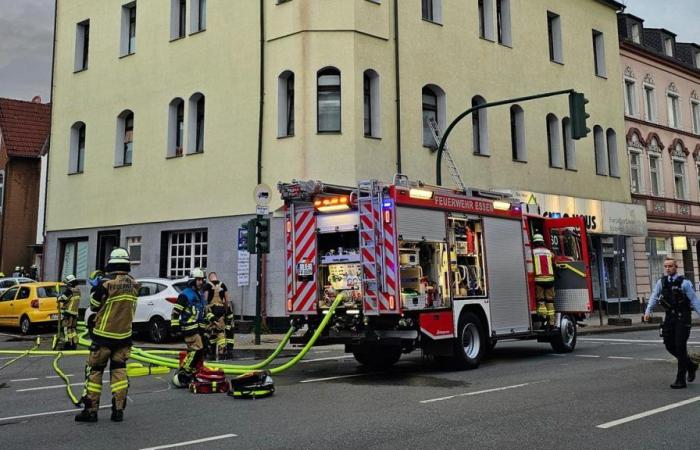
{"points": [[454, 172], [371, 248]]}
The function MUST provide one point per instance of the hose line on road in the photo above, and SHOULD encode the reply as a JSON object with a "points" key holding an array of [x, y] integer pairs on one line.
{"points": [[22, 354], [65, 379]]}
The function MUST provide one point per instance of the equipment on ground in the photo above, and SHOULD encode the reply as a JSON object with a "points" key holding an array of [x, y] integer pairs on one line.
{"points": [[257, 384]]}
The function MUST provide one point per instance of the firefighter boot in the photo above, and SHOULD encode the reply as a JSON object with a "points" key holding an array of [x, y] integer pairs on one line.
{"points": [[551, 315], [691, 372], [87, 414], [117, 414]]}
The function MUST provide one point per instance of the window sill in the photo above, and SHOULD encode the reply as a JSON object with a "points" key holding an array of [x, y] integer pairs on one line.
{"points": [[503, 44], [617, 177], [287, 136], [122, 165], [70, 174], [178, 38], [521, 161], [602, 77], [483, 155], [329, 132], [571, 170], [376, 138], [556, 167], [559, 63], [376, 2], [433, 22], [173, 157], [195, 153], [194, 33], [602, 174], [80, 70], [489, 40], [127, 55]]}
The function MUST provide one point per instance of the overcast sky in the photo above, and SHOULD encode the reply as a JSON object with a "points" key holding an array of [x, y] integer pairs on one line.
{"points": [[26, 31]]}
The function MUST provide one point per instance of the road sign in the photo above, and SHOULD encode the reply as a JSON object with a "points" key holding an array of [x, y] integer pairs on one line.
{"points": [[262, 210], [262, 194]]}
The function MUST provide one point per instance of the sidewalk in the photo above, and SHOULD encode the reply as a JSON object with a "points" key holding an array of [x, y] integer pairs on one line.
{"points": [[592, 324]]}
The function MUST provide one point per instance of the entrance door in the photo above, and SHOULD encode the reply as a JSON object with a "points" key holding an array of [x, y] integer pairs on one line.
{"points": [[106, 242], [569, 243]]}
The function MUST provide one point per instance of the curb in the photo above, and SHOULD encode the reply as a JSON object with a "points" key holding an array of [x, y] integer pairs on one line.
{"points": [[597, 329]]}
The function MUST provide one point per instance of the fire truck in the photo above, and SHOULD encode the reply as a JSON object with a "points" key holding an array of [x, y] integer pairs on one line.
{"points": [[447, 271]]}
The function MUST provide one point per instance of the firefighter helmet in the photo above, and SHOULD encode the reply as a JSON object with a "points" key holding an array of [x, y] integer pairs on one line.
{"points": [[538, 239], [95, 278], [69, 279], [197, 273], [119, 256]]}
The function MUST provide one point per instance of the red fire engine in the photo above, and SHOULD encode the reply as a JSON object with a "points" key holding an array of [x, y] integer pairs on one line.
{"points": [[426, 267]]}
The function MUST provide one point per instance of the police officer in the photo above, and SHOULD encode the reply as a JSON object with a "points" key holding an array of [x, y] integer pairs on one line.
{"points": [[543, 259], [678, 298], [68, 303], [190, 316], [114, 301]]}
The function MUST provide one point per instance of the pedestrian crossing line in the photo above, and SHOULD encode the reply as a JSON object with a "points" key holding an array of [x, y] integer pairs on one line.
{"points": [[644, 414]]}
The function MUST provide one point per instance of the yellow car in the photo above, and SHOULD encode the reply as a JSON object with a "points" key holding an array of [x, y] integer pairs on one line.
{"points": [[31, 304]]}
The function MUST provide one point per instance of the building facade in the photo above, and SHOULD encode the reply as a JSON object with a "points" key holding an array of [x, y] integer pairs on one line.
{"points": [[171, 111], [661, 80], [24, 132]]}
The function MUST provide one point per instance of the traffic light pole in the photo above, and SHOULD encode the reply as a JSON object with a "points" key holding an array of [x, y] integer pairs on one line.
{"points": [[258, 291], [443, 141]]}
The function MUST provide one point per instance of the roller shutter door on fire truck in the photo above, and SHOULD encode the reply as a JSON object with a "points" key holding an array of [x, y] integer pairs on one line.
{"points": [[421, 225], [506, 276]]}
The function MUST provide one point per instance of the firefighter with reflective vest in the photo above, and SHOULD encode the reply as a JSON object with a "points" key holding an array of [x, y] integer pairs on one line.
{"points": [[221, 336], [114, 301], [544, 279], [68, 304], [190, 316]]}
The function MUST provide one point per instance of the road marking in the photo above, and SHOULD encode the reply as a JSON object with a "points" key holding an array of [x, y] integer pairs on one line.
{"points": [[332, 358], [485, 391], [587, 356], [198, 441], [55, 386], [624, 420], [335, 378], [23, 379], [632, 341], [654, 359], [557, 354], [49, 413], [620, 357]]}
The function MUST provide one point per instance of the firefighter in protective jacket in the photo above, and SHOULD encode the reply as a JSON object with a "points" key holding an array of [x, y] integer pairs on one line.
{"points": [[544, 279], [68, 303], [190, 316], [221, 336], [114, 301]]}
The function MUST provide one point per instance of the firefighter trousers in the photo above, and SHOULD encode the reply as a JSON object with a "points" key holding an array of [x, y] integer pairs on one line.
{"points": [[217, 336], [195, 353], [119, 381], [70, 332], [676, 331]]}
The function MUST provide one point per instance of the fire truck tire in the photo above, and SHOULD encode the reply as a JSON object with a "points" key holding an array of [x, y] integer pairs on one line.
{"points": [[470, 346], [375, 357], [565, 340]]}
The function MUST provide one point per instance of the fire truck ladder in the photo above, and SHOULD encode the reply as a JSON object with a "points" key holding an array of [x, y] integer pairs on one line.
{"points": [[371, 249], [454, 172]]}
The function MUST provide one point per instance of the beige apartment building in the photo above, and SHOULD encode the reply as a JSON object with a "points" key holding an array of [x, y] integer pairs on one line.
{"points": [[167, 113]]}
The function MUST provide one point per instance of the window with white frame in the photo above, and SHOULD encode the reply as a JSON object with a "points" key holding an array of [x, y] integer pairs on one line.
{"points": [[125, 139], [371, 103], [601, 159], [196, 128], [695, 110], [679, 179], [613, 162], [82, 45], [431, 10], [485, 14], [187, 250], [630, 97], [285, 104], [176, 128], [674, 110], [554, 141], [556, 49], [198, 16], [76, 157], [328, 100], [74, 258], [133, 246], [636, 178], [433, 109], [655, 175], [569, 145], [599, 54], [636, 33], [503, 26], [650, 102], [669, 46], [128, 32], [178, 19]]}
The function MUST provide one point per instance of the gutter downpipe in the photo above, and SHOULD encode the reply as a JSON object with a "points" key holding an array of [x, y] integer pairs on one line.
{"points": [[262, 89], [398, 86]]}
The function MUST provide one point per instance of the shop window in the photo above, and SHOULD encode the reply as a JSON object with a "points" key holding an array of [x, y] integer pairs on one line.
{"points": [[371, 103], [615, 266], [76, 157], [554, 141], [569, 145], [74, 258], [285, 104], [176, 127], [657, 249], [467, 258], [125, 139], [133, 246], [517, 133], [328, 100], [480, 127], [187, 250], [196, 126]]}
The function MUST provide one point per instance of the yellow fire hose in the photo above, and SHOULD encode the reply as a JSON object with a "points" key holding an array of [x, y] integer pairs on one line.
{"points": [[22, 354]]}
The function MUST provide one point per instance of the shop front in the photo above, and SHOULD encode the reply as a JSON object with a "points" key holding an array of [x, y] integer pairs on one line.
{"points": [[612, 228]]}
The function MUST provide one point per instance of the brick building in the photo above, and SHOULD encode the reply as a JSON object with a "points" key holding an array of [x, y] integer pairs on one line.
{"points": [[24, 132]]}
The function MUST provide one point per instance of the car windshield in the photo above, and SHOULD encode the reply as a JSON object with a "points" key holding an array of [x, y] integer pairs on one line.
{"points": [[47, 292]]}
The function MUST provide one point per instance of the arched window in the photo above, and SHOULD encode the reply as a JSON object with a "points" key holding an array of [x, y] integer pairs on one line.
{"points": [[285, 104], [328, 100], [554, 141], [372, 104], [125, 139], [601, 158], [433, 109], [76, 157], [196, 124], [569, 145], [613, 162], [176, 127], [517, 133], [480, 127]]}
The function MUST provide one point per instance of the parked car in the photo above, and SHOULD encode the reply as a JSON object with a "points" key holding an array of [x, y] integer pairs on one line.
{"points": [[7, 282], [157, 296], [28, 305]]}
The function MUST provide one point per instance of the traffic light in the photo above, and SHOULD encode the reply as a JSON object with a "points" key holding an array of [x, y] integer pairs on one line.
{"points": [[578, 114], [250, 227], [262, 236]]}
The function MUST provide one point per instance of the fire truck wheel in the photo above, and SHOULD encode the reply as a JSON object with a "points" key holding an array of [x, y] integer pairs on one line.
{"points": [[470, 345], [375, 357], [564, 341]]}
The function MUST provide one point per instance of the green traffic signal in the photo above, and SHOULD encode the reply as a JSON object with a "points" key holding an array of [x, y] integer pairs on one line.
{"points": [[251, 230], [579, 116], [262, 235]]}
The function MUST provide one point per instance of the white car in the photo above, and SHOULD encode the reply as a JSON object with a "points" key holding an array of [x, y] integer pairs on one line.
{"points": [[157, 297], [7, 283]]}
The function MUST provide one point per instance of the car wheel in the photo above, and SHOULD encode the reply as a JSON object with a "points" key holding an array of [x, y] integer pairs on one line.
{"points": [[25, 325], [157, 330]]}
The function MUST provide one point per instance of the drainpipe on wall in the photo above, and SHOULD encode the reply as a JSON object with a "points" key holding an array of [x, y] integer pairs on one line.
{"points": [[262, 89], [398, 86]]}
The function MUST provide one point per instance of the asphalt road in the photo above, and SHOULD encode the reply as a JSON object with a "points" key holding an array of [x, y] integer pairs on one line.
{"points": [[612, 392]]}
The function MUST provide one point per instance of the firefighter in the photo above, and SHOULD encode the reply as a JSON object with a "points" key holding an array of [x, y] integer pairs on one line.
{"points": [[68, 303], [221, 329], [544, 279], [191, 318], [678, 298], [114, 301]]}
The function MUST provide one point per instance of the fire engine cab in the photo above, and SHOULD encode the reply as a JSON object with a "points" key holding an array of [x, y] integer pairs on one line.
{"points": [[428, 267]]}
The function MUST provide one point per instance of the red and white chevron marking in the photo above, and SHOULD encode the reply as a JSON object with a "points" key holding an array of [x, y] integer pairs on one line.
{"points": [[304, 300], [369, 256], [390, 264]]}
